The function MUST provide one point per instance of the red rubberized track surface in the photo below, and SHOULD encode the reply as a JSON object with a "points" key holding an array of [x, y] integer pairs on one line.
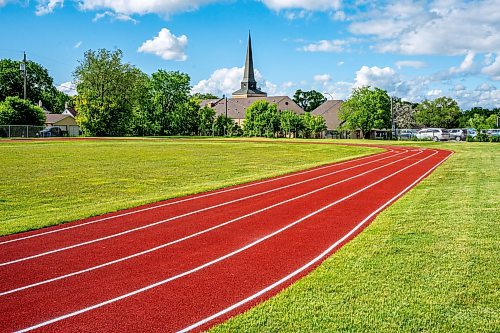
{"points": [[190, 263]]}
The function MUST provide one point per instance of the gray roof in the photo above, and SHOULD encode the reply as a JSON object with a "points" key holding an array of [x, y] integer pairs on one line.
{"points": [[330, 111], [236, 107], [53, 118]]}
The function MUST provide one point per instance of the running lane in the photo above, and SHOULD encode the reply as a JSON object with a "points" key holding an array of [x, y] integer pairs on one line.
{"points": [[200, 281]]}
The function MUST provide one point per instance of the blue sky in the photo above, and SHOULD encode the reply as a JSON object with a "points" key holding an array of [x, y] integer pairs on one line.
{"points": [[413, 49]]}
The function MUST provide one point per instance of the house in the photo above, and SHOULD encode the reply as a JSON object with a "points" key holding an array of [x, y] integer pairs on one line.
{"points": [[242, 98], [69, 111], [329, 110], [64, 122]]}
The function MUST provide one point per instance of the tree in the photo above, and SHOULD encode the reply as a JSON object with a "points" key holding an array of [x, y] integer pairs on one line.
{"points": [[225, 126], [313, 125], [468, 114], [290, 123], [441, 112], [169, 90], [39, 84], [202, 97], [261, 119], [105, 93], [367, 108], [404, 113], [18, 111], [308, 100], [206, 117]]}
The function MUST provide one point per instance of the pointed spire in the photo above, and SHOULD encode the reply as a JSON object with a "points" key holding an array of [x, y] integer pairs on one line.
{"points": [[249, 85], [248, 75]]}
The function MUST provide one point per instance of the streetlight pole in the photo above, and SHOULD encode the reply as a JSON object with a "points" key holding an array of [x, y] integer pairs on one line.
{"points": [[23, 70], [393, 129], [326, 93]]}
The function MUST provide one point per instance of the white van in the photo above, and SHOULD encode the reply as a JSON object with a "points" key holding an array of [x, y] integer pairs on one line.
{"points": [[435, 134]]}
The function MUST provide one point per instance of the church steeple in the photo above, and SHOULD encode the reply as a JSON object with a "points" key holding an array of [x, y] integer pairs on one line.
{"points": [[249, 85]]}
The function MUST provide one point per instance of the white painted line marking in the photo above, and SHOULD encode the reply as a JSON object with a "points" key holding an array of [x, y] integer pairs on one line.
{"points": [[195, 234], [310, 263], [183, 215], [210, 263], [189, 199]]}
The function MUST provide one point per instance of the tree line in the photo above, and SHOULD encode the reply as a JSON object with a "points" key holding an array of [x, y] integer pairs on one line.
{"points": [[369, 108], [116, 99]]}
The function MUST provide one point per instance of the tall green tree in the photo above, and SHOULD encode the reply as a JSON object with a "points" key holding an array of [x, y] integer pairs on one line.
{"points": [[106, 93], [313, 125], [308, 100], [39, 84], [206, 118], [441, 112], [261, 119], [291, 123], [17, 111], [368, 108], [169, 91]]}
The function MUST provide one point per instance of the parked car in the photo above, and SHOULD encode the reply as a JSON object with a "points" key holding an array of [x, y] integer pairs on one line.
{"points": [[471, 132], [458, 134], [52, 131], [435, 134], [493, 132], [406, 134]]}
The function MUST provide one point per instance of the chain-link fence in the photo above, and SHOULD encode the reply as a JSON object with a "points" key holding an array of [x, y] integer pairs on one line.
{"points": [[29, 131], [20, 131]]}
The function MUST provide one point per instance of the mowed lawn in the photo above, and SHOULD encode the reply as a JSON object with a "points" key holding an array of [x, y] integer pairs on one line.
{"points": [[429, 263], [44, 183]]}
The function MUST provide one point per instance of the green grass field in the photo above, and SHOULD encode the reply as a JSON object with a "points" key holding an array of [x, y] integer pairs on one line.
{"points": [[49, 182], [429, 263]]}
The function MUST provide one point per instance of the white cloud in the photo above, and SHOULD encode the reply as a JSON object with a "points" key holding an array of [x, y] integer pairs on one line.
{"points": [[325, 46], [339, 16], [377, 77], [466, 65], [114, 16], [77, 45], [69, 88], [340, 63], [437, 27], [47, 6], [295, 15], [322, 78], [302, 4], [166, 45], [410, 63], [227, 80], [493, 70], [435, 93], [141, 7]]}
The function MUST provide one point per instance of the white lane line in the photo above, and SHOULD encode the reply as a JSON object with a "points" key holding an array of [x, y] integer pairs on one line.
{"points": [[183, 215], [194, 234], [190, 199], [210, 263], [312, 262]]}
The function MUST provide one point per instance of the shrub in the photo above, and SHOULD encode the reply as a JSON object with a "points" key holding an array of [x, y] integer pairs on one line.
{"points": [[18, 111]]}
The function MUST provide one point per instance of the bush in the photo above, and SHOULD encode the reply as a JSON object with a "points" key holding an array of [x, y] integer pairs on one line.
{"points": [[18, 111]]}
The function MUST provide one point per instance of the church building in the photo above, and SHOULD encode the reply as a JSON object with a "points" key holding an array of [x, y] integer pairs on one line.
{"points": [[242, 98]]}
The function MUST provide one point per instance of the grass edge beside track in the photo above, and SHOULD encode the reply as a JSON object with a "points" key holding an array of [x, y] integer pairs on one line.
{"points": [[427, 263]]}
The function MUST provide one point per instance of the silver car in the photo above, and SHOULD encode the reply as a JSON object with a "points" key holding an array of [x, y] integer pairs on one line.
{"points": [[435, 134]]}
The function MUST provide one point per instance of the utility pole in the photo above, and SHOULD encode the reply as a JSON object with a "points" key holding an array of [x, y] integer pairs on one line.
{"points": [[24, 74]]}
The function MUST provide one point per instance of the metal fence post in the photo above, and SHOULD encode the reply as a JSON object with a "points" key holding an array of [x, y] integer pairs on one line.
{"points": [[9, 131]]}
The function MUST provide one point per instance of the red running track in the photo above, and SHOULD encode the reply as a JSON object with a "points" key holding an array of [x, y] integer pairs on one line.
{"points": [[190, 263]]}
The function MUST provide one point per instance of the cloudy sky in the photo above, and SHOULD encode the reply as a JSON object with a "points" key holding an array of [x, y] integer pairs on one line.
{"points": [[413, 49]]}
